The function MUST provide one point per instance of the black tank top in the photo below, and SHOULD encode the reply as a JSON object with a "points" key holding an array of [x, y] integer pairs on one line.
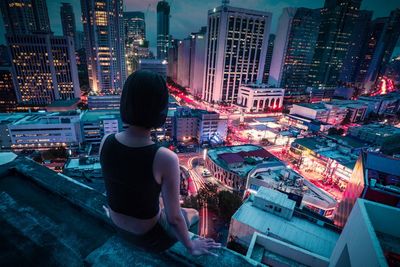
{"points": [[129, 180]]}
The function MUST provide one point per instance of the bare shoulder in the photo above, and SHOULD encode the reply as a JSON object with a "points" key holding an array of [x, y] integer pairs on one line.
{"points": [[102, 141], [165, 156]]}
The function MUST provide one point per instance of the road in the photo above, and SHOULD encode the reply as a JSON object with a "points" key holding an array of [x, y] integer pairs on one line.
{"points": [[311, 176]]}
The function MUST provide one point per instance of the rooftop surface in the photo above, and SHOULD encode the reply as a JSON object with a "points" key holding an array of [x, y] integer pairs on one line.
{"points": [[316, 106], [49, 220], [274, 196], [95, 115], [297, 231], [311, 193], [45, 117], [64, 103], [328, 148], [223, 156], [378, 129]]}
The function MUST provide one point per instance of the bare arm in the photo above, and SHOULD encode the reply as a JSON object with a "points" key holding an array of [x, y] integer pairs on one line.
{"points": [[169, 163]]}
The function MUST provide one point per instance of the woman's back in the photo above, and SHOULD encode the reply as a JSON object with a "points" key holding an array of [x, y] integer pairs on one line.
{"points": [[131, 187]]}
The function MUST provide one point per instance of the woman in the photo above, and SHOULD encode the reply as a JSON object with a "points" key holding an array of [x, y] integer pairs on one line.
{"points": [[136, 170]]}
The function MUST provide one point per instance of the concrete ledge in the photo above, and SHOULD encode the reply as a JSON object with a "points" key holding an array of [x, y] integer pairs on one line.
{"points": [[114, 251]]}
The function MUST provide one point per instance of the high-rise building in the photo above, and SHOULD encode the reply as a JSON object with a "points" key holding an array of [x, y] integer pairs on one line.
{"points": [[8, 99], [136, 45], [45, 68], [172, 70], [197, 61], [294, 48], [354, 51], [375, 31], [183, 74], [79, 40], [163, 37], [384, 48], [25, 16], [268, 58], [103, 27], [236, 49], [338, 19], [68, 21]]}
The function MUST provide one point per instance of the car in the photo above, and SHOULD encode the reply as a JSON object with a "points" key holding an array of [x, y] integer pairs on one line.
{"points": [[206, 173]]}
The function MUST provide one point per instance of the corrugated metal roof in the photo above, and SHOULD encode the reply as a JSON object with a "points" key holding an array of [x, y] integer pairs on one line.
{"points": [[297, 231]]}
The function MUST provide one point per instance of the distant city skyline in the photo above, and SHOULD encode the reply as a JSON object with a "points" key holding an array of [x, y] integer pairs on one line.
{"points": [[188, 16]]}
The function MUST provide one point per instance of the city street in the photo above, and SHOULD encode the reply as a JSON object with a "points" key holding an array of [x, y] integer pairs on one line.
{"points": [[310, 175]]}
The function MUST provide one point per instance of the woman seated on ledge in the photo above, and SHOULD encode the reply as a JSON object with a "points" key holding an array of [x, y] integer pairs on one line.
{"points": [[136, 170]]}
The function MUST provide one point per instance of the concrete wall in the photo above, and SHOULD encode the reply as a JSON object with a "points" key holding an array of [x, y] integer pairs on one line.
{"points": [[358, 244]]}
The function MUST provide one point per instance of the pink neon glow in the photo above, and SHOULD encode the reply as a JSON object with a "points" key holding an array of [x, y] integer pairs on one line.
{"points": [[386, 85]]}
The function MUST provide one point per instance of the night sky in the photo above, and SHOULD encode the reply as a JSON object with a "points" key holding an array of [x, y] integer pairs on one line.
{"points": [[189, 15]]}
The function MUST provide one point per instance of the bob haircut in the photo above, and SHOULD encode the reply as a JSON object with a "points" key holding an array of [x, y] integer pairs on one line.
{"points": [[144, 100]]}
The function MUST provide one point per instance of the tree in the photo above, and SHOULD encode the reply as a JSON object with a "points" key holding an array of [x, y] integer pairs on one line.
{"points": [[332, 131], [228, 204], [191, 202], [208, 194]]}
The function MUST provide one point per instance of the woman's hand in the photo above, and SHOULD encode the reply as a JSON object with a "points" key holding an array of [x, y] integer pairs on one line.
{"points": [[202, 245]]}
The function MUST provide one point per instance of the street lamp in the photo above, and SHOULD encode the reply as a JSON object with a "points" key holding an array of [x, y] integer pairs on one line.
{"points": [[204, 154]]}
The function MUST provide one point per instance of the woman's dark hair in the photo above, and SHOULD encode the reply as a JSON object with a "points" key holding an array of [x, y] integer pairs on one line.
{"points": [[144, 100]]}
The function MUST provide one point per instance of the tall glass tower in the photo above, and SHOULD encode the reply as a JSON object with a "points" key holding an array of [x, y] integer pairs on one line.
{"points": [[294, 48], [68, 20], [25, 16], [338, 20], [104, 33], [163, 37]]}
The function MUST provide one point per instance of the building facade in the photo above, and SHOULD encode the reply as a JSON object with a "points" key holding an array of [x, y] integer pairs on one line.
{"points": [[260, 98], [8, 98], [104, 102], [25, 16], [68, 21], [183, 68], [294, 48], [154, 65], [268, 58], [103, 27], [53, 73], [206, 127], [236, 48], [385, 45], [136, 44], [338, 19], [197, 61], [163, 37], [376, 178], [43, 131]]}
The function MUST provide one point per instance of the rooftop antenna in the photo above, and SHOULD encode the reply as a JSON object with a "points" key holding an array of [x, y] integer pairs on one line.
{"points": [[225, 2]]}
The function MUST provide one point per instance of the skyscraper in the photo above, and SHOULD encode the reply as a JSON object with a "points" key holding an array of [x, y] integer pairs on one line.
{"points": [[103, 27], [236, 49], [383, 51], [68, 21], [45, 68], [163, 37], [183, 69], [197, 60], [358, 39], [294, 48], [268, 58], [338, 19], [173, 59], [25, 16], [374, 33], [136, 45]]}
